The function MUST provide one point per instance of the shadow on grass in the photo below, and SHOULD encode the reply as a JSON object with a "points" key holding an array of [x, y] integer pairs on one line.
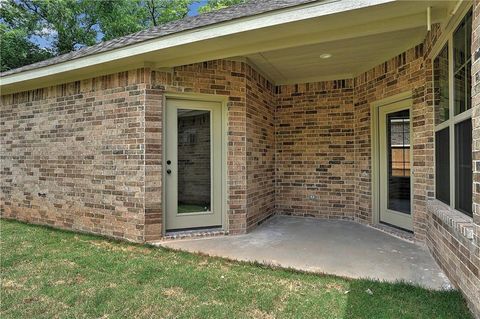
{"points": [[402, 300]]}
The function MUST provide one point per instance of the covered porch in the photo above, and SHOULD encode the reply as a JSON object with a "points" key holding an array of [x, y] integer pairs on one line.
{"points": [[302, 129]]}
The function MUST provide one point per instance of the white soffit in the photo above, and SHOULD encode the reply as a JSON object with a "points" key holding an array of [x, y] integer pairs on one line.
{"points": [[349, 57]]}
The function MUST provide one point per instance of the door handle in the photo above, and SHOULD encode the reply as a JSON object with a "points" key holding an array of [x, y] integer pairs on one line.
{"points": [[169, 171]]}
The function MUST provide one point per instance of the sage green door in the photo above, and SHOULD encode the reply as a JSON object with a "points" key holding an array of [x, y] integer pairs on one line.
{"points": [[193, 164], [395, 165]]}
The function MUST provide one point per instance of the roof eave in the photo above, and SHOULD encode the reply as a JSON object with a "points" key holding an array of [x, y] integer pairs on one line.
{"points": [[9, 83]]}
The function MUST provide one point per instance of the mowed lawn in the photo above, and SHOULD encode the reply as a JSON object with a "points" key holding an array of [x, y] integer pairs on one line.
{"points": [[48, 273]]}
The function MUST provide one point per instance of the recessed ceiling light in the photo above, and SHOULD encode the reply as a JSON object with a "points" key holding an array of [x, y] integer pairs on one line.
{"points": [[325, 56]]}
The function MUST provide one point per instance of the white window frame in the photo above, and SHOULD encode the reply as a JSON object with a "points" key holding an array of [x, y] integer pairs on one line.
{"points": [[452, 118]]}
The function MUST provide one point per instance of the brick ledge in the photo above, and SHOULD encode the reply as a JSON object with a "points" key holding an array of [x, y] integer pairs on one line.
{"points": [[460, 223]]}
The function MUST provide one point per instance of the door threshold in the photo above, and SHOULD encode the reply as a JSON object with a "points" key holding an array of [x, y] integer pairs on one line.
{"points": [[395, 231], [199, 232]]}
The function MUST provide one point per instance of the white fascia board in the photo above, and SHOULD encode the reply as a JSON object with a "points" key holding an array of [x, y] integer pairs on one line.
{"points": [[292, 14]]}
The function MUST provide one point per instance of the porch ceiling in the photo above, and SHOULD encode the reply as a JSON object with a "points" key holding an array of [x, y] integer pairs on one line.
{"points": [[356, 42], [349, 57]]}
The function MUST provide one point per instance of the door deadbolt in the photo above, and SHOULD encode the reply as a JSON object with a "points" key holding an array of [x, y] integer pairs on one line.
{"points": [[169, 162], [169, 171]]}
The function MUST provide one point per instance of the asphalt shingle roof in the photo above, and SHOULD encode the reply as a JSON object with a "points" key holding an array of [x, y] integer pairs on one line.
{"points": [[250, 8]]}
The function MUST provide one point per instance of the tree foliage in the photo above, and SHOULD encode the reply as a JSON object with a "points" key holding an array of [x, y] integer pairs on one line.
{"points": [[16, 50], [68, 22], [212, 5], [34, 30], [120, 17]]}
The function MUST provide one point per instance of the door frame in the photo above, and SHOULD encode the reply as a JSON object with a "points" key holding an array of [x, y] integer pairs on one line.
{"points": [[375, 150], [223, 100]]}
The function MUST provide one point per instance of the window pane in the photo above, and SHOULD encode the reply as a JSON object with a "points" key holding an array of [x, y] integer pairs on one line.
{"points": [[442, 165], [398, 148], [463, 166], [468, 34], [440, 77], [459, 46], [462, 65], [468, 85], [194, 161], [460, 90]]}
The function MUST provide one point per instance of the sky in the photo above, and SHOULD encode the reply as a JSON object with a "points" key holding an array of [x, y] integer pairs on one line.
{"points": [[46, 42], [194, 7]]}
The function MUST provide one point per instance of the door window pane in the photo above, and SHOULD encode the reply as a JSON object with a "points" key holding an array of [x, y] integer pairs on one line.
{"points": [[441, 86], [194, 161], [463, 166], [442, 165], [398, 148]]}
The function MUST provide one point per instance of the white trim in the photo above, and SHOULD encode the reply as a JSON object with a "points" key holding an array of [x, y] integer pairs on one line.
{"points": [[442, 125], [462, 116]]}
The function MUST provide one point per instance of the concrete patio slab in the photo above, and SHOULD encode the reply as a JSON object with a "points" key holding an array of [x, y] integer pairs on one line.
{"points": [[341, 248]]}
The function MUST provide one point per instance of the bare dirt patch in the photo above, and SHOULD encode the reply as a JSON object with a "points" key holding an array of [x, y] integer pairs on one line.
{"points": [[173, 292], [259, 314], [10, 284]]}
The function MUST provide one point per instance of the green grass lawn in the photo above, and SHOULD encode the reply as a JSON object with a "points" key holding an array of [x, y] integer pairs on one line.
{"points": [[47, 273]]}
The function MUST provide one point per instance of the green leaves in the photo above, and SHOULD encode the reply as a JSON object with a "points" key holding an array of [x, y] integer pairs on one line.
{"points": [[16, 50], [120, 17], [117, 18], [162, 11], [212, 5]]}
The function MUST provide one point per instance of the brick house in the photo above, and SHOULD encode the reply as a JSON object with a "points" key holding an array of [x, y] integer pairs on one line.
{"points": [[358, 110]]}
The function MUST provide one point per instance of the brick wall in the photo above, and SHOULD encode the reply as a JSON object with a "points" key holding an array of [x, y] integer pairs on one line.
{"points": [[250, 154], [454, 251], [221, 77], [314, 150], [94, 147], [153, 163], [72, 155], [260, 97]]}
